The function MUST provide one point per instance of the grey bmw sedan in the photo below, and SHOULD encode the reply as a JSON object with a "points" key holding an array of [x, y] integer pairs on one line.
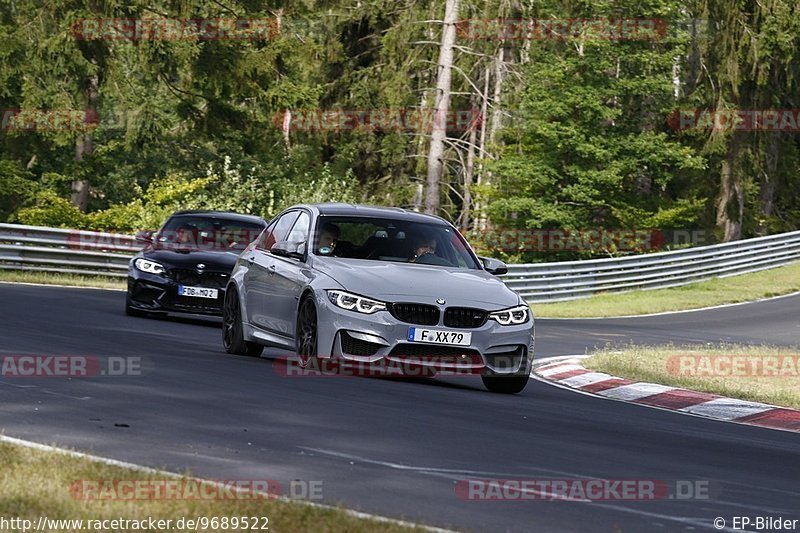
{"points": [[363, 284]]}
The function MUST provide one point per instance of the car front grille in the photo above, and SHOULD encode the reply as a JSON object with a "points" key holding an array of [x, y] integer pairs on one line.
{"points": [[423, 314], [464, 317], [193, 278], [436, 353], [353, 346]]}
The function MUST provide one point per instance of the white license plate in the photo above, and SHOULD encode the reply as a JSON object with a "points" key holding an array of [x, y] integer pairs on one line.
{"points": [[197, 292], [440, 336]]}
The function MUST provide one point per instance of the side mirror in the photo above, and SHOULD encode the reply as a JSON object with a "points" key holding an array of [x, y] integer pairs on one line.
{"points": [[295, 250], [494, 266], [145, 237]]}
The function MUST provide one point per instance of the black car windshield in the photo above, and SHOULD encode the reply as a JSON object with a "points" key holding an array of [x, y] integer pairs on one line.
{"points": [[207, 233], [388, 239]]}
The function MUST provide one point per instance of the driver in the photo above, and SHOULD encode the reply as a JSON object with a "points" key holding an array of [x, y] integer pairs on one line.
{"points": [[424, 248], [328, 236]]}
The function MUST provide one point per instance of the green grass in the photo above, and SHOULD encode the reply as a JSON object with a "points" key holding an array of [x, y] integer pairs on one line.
{"points": [[35, 483], [702, 369], [744, 288], [72, 280]]}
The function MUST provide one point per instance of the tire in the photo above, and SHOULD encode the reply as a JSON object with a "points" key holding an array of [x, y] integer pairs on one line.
{"points": [[232, 331], [512, 384], [505, 384], [132, 311], [306, 331]]}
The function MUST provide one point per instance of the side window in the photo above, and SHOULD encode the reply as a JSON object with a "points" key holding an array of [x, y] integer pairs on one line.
{"points": [[277, 230], [299, 231]]}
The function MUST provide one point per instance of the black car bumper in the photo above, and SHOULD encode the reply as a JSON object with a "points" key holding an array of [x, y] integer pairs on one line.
{"points": [[153, 293]]}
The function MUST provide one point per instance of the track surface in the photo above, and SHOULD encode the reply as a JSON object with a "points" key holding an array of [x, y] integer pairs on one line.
{"points": [[397, 447]]}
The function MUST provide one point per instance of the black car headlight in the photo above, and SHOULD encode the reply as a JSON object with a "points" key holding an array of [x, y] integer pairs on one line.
{"points": [[354, 302], [511, 317], [151, 267]]}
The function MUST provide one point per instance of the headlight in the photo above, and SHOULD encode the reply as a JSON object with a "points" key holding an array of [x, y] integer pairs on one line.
{"points": [[151, 267], [353, 302], [514, 316]]}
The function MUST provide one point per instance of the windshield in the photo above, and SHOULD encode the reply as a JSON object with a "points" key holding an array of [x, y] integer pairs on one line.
{"points": [[207, 233], [387, 239]]}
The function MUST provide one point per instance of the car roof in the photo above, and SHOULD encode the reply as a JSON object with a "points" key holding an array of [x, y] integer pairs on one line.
{"points": [[342, 209], [222, 214]]}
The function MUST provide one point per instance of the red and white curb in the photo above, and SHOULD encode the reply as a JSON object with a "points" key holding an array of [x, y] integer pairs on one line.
{"points": [[569, 372]]}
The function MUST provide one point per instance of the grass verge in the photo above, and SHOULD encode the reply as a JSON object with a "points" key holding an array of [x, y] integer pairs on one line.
{"points": [[72, 280], [766, 374], [744, 288], [36, 484]]}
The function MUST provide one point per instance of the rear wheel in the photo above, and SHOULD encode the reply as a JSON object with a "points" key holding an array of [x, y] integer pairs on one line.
{"points": [[306, 331], [232, 331]]}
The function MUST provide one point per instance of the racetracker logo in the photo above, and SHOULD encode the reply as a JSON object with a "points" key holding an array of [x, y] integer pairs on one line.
{"points": [[597, 29], [375, 120], [192, 489], [175, 29], [580, 490], [770, 366], [70, 366], [49, 120], [735, 119], [408, 367]]}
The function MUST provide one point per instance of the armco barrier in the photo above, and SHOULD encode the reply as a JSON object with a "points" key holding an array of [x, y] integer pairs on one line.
{"points": [[106, 254]]}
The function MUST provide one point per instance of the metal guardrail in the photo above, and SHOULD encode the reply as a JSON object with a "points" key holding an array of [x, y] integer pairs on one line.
{"points": [[65, 251], [35, 248], [569, 280]]}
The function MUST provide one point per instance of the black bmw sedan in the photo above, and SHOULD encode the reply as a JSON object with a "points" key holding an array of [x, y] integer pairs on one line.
{"points": [[186, 264]]}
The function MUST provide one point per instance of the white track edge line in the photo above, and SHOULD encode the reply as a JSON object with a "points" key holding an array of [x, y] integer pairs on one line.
{"points": [[720, 306], [149, 470]]}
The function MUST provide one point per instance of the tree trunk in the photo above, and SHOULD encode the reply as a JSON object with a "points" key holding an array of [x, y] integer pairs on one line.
{"points": [[730, 202], [439, 133], [84, 145], [769, 184], [468, 172]]}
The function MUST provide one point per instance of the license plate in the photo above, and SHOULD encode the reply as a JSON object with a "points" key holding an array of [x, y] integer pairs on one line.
{"points": [[197, 292], [440, 336]]}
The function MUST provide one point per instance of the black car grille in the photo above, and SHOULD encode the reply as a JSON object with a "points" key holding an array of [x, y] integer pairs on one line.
{"points": [[426, 315], [193, 278], [464, 317], [443, 354], [353, 346]]}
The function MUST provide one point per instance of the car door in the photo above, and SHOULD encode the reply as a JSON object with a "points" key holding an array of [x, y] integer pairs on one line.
{"points": [[261, 265], [289, 277]]}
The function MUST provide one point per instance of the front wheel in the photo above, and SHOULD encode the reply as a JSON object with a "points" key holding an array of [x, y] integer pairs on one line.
{"points": [[306, 331], [232, 331], [508, 384]]}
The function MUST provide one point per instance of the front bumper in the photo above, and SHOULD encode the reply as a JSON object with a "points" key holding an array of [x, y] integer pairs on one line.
{"points": [[381, 338], [154, 293]]}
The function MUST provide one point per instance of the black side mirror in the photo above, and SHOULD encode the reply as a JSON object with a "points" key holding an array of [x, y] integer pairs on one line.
{"points": [[145, 237], [295, 250], [494, 266]]}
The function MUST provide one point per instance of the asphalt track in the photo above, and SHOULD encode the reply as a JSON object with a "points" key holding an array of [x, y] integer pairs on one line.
{"points": [[397, 447]]}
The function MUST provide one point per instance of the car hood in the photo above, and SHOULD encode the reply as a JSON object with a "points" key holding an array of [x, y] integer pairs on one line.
{"points": [[395, 282], [213, 261]]}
